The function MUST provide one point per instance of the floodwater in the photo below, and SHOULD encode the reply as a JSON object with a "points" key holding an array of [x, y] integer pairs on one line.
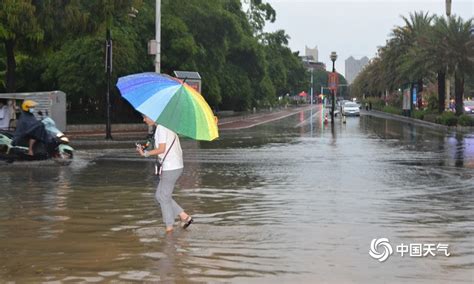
{"points": [[291, 201]]}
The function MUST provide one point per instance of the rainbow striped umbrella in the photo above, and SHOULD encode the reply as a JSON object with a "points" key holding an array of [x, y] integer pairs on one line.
{"points": [[171, 103]]}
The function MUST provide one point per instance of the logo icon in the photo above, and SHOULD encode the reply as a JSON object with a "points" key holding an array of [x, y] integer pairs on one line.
{"points": [[380, 249]]}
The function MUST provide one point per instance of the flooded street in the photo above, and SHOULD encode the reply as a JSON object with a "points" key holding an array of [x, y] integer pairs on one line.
{"points": [[293, 201]]}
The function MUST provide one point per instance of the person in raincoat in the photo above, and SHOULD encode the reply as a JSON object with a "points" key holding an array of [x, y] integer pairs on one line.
{"points": [[168, 149], [29, 128]]}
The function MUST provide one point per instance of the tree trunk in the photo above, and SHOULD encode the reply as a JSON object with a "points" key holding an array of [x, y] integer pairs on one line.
{"points": [[419, 94], [441, 91], [459, 92], [11, 65], [420, 85], [412, 107]]}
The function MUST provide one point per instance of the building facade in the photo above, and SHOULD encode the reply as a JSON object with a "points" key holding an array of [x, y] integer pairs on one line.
{"points": [[310, 59], [308, 52], [353, 67]]}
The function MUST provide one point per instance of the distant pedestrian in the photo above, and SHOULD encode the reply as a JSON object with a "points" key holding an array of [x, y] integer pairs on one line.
{"points": [[5, 115], [370, 105], [420, 102], [366, 106], [168, 149]]}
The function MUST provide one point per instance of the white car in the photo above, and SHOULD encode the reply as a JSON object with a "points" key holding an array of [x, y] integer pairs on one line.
{"points": [[350, 108], [469, 107]]}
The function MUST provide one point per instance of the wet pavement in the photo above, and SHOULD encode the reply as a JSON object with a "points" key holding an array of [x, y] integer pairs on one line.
{"points": [[292, 200]]}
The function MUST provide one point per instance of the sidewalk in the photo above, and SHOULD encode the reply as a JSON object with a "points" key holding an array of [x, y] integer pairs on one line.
{"points": [[124, 131]]}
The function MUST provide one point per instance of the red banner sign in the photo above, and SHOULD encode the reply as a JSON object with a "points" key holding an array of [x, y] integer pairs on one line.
{"points": [[333, 81]]}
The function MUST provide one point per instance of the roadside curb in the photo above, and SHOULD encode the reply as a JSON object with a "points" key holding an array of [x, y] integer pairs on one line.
{"points": [[376, 113]]}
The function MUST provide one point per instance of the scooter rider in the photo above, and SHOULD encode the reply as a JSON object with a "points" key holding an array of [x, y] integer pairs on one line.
{"points": [[28, 127]]}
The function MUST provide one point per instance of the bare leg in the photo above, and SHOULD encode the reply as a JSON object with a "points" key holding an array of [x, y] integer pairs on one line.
{"points": [[30, 147]]}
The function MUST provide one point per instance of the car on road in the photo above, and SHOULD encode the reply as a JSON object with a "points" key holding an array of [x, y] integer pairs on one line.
{"points": [[328, 107], [350, 109], [342, 102], [469, 107]]}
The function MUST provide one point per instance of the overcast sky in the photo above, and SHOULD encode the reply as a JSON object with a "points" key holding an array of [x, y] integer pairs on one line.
{"points": [[350, 27]]}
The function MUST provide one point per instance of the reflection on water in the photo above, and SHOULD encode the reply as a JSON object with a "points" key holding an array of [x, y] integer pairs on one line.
{"points": [[296, 200]]}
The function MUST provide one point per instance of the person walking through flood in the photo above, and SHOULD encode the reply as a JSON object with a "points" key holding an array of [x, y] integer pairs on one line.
{"points": [[168, 149]]}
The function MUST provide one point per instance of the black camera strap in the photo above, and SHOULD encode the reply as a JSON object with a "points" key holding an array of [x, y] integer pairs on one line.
{"points": [[157, 162]]}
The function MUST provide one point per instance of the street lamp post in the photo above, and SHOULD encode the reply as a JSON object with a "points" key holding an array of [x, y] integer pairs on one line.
{"points": [[333, 59], [311, 87], [333, 91], [446, 80]]}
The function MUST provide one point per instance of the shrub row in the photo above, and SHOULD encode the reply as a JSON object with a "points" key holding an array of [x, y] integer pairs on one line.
{"points": [[450, 119]]}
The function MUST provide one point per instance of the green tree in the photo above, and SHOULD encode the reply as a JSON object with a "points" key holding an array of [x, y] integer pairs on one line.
{"points": [[237, 90], [3, 66], [285, 69], [214, 30], [258, 13], [76, 66], [60, 45], [275, 54], [434, 53], [412, 36], [18, 27], [459, 52], [179, 47]]}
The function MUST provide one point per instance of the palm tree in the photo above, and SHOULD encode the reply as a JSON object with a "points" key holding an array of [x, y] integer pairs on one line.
{"points": [[412, 65], [457, 50], [390, 55], [435, 49], [400, 60]]}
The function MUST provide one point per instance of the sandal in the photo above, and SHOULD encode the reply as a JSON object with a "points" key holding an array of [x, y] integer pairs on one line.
{"points": [[188, 221]]}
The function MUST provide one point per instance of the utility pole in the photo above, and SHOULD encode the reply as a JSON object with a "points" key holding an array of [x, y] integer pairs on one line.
{"points": [[154, 46], [334, 88], [108, 70], [158, 37]]}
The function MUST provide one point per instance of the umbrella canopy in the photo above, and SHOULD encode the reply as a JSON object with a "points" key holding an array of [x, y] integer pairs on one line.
{"points": [[171, 103], [302, 94]]}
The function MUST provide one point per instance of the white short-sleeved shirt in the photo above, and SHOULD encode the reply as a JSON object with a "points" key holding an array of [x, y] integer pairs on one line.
{"points": [[174, 159]]}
